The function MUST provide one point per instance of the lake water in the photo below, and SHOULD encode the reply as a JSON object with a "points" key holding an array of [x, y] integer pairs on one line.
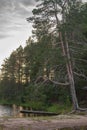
{"points": [[8, 111], [12, 111]]}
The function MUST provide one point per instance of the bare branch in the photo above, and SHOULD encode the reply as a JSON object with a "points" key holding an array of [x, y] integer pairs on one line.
{"points": [[82, 60], [41, 80], [80, 75], [56, 83]]}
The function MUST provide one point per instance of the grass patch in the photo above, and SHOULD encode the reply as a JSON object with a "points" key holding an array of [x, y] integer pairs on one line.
{"points": [[59, 108]]}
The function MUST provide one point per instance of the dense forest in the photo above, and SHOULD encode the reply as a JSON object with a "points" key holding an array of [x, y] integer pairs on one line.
{"points": [[50, 72]]}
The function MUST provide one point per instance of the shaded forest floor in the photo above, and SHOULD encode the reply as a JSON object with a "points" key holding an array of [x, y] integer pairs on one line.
{"points": [[44, 123]]}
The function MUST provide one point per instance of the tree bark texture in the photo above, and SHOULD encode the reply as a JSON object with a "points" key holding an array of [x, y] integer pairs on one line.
{"points": [[66, 53]]}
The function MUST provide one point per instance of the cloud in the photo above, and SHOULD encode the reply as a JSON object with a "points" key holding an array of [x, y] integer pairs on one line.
{"points": [[13, 14], [27, 2], [15, 6], [4, 36], [84, 0]]}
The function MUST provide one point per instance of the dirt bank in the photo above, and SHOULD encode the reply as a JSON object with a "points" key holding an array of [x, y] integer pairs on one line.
{"points": [[42, 123]]}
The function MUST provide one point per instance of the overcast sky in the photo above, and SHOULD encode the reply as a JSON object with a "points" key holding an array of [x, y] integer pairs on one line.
{"points": [[14, 29]]}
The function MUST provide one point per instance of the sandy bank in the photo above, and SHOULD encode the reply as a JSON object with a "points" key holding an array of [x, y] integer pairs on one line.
{"points": [[42, 123]]}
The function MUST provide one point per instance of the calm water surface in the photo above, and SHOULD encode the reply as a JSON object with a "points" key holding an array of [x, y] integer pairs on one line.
{"points": [[8, 111]]}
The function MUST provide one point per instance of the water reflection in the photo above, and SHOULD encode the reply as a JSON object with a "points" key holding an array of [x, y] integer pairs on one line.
{"points": [[8, 110], [13, 111], [5, 111]]}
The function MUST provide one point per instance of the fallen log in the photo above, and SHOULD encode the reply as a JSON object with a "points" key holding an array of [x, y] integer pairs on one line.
{"points": [[39, 113]]}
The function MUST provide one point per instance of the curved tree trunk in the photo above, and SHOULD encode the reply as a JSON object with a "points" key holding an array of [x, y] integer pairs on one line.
{"points": [[70, 75], [66, 54]]}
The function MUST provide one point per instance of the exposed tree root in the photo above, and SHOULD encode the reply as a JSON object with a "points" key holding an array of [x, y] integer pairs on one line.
{"points": [[78, 110], [82, 109]]}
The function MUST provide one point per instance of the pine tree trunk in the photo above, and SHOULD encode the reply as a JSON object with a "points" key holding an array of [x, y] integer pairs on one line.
{"points": [[66, 53]]}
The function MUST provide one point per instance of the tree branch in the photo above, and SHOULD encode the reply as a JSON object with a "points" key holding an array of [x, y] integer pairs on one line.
{"points": [[82, 60], [56, 83], [80, 75], [40, 79]]}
